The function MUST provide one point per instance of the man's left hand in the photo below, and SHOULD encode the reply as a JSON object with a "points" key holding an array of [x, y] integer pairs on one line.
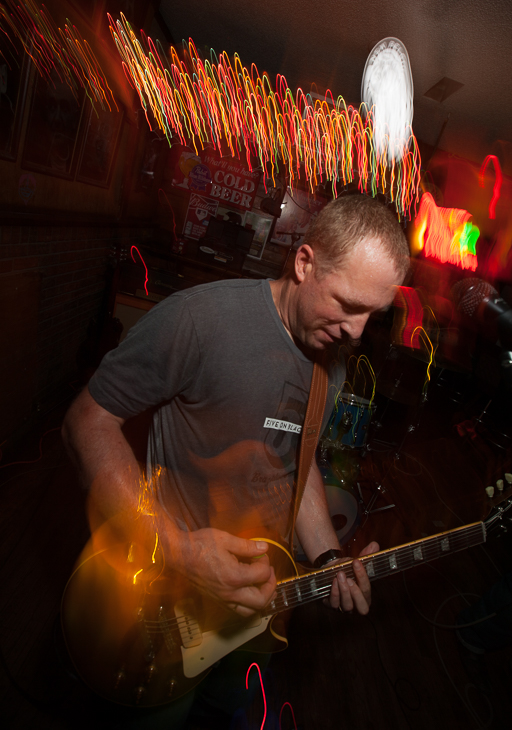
{"points": [[347, 594]]}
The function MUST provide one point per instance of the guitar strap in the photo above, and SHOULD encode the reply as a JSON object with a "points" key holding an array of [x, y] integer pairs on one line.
{"points": [[310, 433]]}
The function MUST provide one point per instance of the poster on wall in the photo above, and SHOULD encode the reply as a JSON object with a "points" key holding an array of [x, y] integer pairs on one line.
{"points": [[226, 179], [200, 210], [261, 227], [299, 208]]}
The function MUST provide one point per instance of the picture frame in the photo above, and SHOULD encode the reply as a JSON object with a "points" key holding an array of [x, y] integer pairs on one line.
{"points": [[14, 75], [54, 128], [100, 144]]}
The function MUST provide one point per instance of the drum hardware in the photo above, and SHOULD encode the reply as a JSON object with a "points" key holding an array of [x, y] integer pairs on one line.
{"points": [[490, 432], [349, 425], [368, 506]]}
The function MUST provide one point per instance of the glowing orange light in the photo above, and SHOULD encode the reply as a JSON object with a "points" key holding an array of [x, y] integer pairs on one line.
{"points": [[446, 234], [135, 576], [497, 182], [222, 104], [153, 557]]}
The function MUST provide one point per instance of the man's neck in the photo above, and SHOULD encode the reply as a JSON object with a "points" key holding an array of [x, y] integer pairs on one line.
{"points": [[281, 293]]}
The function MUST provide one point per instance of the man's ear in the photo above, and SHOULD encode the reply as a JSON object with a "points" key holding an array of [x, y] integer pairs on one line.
{"points": [[304, 261]]}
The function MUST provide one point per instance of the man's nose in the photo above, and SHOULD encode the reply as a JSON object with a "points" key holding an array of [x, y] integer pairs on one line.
{"points": [[355, 325]]}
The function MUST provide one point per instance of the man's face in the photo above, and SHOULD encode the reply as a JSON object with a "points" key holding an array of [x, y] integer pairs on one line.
{"points": [[336, 307]]}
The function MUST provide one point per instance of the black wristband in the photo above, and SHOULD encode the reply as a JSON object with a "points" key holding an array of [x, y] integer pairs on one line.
{"points": [[326, 557]]}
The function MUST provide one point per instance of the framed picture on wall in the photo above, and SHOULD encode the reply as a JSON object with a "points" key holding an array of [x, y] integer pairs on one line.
{"points": [[53, 129], [261, 227], [101, 138], [14, 74]]}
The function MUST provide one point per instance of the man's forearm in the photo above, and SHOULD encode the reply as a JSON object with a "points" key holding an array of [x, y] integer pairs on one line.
{"points": [[314, 526]]}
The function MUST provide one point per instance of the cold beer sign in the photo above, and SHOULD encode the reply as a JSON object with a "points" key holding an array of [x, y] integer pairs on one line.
{"points": [[225, 179]]}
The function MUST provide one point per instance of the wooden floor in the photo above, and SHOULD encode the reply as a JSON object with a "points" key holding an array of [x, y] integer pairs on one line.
{"points": [[393, 669]]}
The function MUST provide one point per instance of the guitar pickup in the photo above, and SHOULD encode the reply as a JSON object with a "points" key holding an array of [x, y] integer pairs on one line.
{"points": [[190, 631]]}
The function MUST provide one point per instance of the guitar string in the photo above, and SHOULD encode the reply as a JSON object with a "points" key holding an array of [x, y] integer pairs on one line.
{"points": [[322, 580]]}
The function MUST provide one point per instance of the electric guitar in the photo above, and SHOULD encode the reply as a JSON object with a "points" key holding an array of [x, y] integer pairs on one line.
{"points": [[140, 635]]}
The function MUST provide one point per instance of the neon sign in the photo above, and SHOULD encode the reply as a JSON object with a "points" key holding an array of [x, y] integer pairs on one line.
{"points": [[446, 234]]}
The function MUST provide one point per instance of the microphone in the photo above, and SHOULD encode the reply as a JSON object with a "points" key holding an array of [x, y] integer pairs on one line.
{"points": [[478, 299]]}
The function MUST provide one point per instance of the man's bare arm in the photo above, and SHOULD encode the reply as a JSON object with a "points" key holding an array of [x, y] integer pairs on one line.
{"points": [[208, 557], [317, 535]]}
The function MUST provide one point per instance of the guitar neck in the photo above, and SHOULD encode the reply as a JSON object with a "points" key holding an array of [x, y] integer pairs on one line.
{"points": [[294, 592]]}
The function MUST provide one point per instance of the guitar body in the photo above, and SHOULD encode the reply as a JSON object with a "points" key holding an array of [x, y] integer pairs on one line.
{"points": [[142, 636]]}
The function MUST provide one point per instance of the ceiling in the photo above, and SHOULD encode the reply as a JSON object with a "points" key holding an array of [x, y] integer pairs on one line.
{"points": [[327, 42]]}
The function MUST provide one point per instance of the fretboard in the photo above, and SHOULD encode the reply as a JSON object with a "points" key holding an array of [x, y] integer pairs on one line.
{"points": [[293, 592]]}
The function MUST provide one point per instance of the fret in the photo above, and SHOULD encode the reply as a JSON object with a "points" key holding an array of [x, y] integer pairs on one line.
{"points": [[314, 587], [417, 553], [293, 591]]}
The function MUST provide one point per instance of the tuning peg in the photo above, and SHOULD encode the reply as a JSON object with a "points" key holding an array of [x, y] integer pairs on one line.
{"points": [[490, 492], [499, 485], [508, 479]]}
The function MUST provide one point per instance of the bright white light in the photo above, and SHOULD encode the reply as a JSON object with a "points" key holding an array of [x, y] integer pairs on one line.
{"points": [[387, 86]]}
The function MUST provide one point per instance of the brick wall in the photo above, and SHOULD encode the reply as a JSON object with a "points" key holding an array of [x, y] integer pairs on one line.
{"points": [[68, 265]]}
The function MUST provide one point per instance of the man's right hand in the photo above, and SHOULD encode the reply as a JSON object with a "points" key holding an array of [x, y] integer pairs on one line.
{"points": [[231, 569]]}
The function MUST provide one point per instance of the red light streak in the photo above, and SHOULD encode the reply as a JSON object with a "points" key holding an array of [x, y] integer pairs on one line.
{"points": [[222, 103], [497, 182], [287, 704], [446, 234], [411, 321], [146, 268], [262, 690]]}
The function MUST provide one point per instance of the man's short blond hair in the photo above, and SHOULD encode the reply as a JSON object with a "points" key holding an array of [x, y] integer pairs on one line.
{"points": [[348, 220]]}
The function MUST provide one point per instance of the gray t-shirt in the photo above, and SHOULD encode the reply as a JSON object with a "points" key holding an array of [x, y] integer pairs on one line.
{"points": [[233, 390]]}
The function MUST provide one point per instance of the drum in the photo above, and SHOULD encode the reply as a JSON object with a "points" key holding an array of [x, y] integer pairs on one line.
{"points": [[349, 422], [344, 510]]}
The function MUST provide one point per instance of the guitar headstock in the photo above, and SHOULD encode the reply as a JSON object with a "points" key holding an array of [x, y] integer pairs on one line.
{"points": [[500, 506]]}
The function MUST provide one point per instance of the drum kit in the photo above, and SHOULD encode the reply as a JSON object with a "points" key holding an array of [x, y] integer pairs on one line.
{"points": [[351, 435], [342, 447], [353, 432]]}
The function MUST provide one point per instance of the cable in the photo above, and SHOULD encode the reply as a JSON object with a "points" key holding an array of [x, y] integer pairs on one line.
{"points": [[12, 463], [465, 700], [450, 627]]}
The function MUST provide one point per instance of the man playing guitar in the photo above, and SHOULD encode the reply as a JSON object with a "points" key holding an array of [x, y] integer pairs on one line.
{"points": [[227, 367]]}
